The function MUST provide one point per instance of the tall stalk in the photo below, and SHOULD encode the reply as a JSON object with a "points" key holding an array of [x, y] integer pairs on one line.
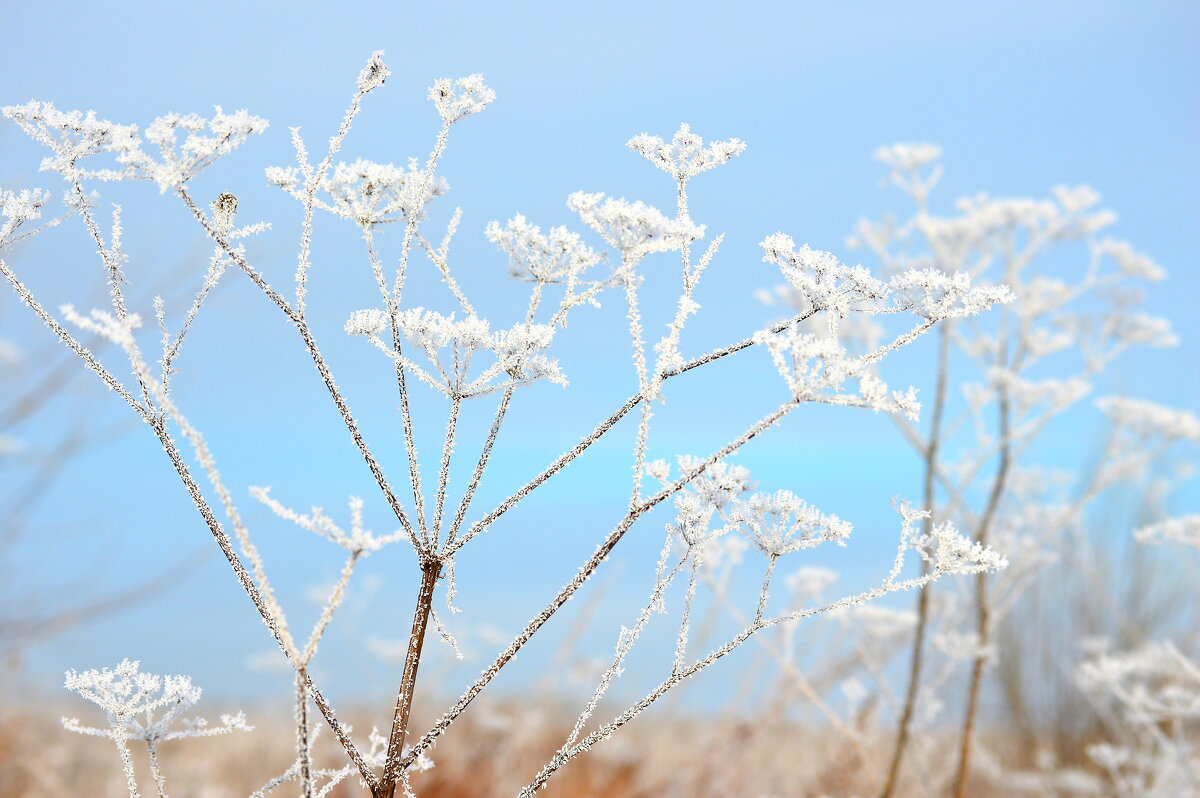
{"points": [[932, 448], [430, 571], [982, 610]]}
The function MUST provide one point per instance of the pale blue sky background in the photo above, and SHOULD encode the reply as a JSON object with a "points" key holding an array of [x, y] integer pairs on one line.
{"points": [[1022, 96]]}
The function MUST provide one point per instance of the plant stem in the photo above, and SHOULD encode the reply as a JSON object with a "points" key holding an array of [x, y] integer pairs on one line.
{"points": [[430, 571], [983, 612], [918, 651]]}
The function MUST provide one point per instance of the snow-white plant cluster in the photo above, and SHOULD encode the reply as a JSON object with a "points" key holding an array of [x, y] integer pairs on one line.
{"points": [[827, 350]]}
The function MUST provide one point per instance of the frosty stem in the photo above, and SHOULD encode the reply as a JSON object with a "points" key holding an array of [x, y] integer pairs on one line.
{"points": [[430, 571]]}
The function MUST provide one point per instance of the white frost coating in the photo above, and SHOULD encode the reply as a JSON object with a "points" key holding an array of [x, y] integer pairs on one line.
{"points": [[365, 192], [634, 229], [461, 98], [686, 156], [556, 256]]}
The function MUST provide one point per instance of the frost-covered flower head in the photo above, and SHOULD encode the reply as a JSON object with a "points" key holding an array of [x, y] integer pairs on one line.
{"points": [[1150, 694], [365, 192], [1154, 683], [132, 699], [633, 228], [18, 208], [204, 141], [720, 484], [945, 549], [704, 497], [1185, 530], [371, 321], [452, 344], [1027, 394], [459, 99], [908, 156], [73, 135], [1149, 420], [820, 281], [557, 256], [686, 156], [24, 205], [818, 368], [1064, 218], [934, 295], [1130, 262], [782, 522], [374, 73]]}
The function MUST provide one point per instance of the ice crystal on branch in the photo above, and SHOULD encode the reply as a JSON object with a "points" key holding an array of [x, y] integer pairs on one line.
{"points": [[556, 256], [633, 228], [686, 156], [461, 98]]}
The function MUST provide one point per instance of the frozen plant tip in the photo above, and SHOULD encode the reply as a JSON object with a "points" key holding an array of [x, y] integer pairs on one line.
{"points": [[686, 156], [461, 98]]}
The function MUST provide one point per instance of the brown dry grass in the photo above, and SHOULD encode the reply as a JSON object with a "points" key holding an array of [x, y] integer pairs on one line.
{"points": [[493, 751]]}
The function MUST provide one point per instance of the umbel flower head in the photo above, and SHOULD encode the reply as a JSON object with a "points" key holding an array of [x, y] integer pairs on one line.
{"points": [[557, 256], [686, 156], [633, 228], [452, 344], [132, 699], [22, 206], [908, 156], [818, 369], [205, 140], [461, 98], [365, 192], [72, 135], [782, 522]]}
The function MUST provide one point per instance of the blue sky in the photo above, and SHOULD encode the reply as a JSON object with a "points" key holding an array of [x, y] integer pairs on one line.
{"points": [[1022, 96]]}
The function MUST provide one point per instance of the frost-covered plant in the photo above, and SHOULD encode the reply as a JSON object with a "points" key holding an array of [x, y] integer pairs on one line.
{"points": [[465, 357], [1074, 322], [145, 707], [1150, 701]]}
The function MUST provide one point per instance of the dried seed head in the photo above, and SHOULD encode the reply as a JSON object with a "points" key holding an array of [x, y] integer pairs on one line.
{"points": [[224, 209], [374, 73]]}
